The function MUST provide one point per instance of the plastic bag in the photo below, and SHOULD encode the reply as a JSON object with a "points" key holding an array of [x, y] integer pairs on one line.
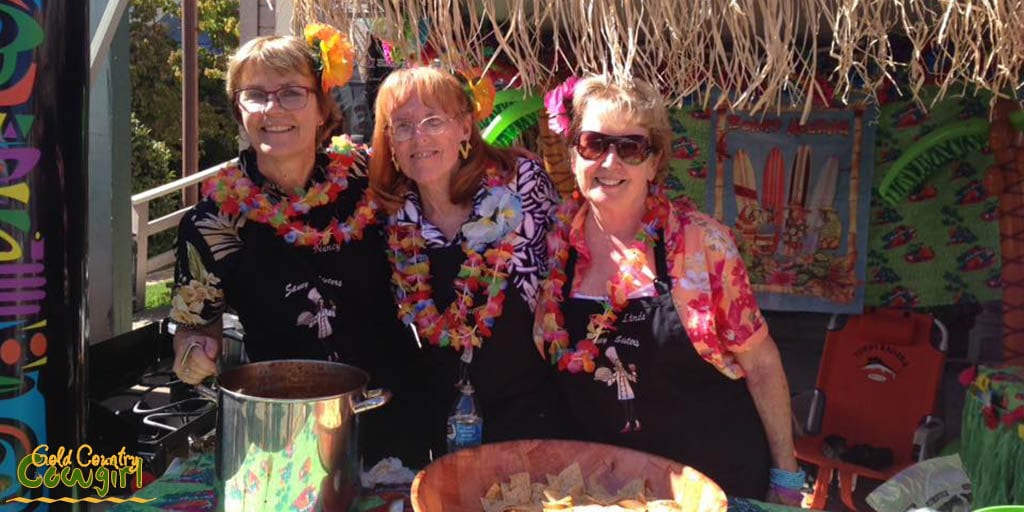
{"points": [[389, 471], [939, 484]]}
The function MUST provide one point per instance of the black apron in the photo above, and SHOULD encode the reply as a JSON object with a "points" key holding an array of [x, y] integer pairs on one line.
{"points": [[662, 397], [366, 331], [272, 288], [512, 382], [278, 288]]}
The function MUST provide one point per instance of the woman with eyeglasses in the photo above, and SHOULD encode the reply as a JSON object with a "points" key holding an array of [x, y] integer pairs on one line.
{"points": [[647, 312], [287, 236], [466, 226]]}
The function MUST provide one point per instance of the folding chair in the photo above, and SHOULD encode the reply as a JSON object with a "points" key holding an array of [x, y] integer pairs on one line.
{"points": [[877, 386]]}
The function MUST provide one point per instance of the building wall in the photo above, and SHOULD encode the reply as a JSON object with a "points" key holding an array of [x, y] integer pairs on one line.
{"points": [[263, 17], [110, 264]]}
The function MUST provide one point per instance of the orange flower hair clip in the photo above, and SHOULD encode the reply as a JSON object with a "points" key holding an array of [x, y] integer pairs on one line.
{"points": [[480, 89], [333, 54]]}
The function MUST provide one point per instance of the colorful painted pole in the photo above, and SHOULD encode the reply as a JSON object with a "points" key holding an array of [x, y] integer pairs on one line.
{"points": [[1006, 179], [43, 83]]}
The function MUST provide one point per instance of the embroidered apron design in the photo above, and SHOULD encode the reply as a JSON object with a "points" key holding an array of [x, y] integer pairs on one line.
{"points": [[653, 392]]}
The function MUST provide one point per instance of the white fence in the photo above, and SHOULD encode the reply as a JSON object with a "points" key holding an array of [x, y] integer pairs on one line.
{"points": [[143, 227]]}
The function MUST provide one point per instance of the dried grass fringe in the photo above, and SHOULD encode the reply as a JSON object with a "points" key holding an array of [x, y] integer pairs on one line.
{"points": [[764, 53]]}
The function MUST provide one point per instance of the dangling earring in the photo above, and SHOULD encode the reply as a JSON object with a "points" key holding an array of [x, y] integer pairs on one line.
{"points": [[464, 148], [394, 160]]}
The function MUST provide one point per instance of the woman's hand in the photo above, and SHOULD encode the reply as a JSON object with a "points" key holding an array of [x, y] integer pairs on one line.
{"points": [[194, 364]]}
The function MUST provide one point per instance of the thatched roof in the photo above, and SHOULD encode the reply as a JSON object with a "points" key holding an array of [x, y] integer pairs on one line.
{"points": [[766, 53]]}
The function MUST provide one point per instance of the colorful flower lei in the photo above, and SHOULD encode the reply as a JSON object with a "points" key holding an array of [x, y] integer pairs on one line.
{"points": [[558, 103], [333, 54], [487, 271], [234, 193], [550, 327]]}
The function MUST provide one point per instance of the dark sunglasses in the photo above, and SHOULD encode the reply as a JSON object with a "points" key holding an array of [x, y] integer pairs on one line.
{"points": [[632, 149]]}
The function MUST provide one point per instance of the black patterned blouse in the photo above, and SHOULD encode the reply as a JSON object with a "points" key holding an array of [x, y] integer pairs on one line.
{"points": [[294, 302], [539, 202]]}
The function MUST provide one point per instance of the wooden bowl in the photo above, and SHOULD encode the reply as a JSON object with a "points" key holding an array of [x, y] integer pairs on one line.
{"points": [[457, 481]]}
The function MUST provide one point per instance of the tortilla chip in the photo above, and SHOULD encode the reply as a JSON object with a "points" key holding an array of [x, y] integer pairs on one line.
{"points": [[492, 504], [537, 492], [518, 491], [632, 504], [634, 490], [570, 481], [664, 506], [552, 481], [569, 491], [565, 503], [520, 480], [526, 508], [494, 492], [597, 492]]}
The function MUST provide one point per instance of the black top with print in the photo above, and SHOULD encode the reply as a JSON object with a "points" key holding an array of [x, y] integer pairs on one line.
{"points": [[294, 302], [284, 295]]}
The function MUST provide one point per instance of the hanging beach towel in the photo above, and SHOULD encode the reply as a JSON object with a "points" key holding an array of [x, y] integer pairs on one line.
{"points": [[796, 214], [772, 197], [748, 211], [825, 226]]}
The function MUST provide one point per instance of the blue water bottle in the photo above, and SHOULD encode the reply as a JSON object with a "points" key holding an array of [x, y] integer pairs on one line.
{"points": [[465, 425]]}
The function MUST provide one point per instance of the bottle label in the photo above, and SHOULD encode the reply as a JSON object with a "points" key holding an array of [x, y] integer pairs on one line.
{"points": [[463, 433]]}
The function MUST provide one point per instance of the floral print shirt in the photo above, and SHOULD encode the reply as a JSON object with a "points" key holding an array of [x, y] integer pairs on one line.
{"points": [[539, 201], [710, 287]]}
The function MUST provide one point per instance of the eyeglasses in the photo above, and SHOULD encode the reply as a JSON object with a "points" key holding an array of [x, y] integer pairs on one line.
{"points": [[632, 149], [289, 97], [405, 130]]}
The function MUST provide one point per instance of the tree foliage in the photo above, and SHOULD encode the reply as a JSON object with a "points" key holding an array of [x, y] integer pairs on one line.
{"points": [[156, 74], [151, 167]]}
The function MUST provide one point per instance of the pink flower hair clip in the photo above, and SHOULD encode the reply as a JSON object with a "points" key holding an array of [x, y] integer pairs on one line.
{"points": [[558, 103]]}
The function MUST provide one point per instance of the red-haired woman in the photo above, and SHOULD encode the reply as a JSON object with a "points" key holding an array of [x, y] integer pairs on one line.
{"points": [[466, 228]]}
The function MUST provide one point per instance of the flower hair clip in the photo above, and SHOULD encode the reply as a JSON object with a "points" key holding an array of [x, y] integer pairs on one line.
{"points": [[480, 90], [558, 103], [332, 53]]}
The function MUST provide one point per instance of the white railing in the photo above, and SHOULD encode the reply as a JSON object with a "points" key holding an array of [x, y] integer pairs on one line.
{"points": [[143, 228]]}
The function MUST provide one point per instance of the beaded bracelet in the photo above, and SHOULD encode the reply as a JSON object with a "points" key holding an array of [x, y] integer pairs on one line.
{"points": [[787, 496], [787, 479]]}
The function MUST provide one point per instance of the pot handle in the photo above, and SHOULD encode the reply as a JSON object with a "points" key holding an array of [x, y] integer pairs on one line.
{"points": [[200, 388], [206, 392], [374, 398]]}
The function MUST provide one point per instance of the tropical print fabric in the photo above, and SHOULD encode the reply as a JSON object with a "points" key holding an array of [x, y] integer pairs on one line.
{"points": [[539, 200], [710, 287], [940, 244], [691, 149], [937, 247]]}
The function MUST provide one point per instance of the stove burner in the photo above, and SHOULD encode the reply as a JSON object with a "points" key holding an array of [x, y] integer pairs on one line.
{"points": [[158, 418], [186, 406], [170, 416], [152, 419]]}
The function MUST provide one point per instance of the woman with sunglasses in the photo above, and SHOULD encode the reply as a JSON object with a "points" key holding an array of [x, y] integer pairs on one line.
{"points": [[465, 231], [287, 237], [648, 313]]}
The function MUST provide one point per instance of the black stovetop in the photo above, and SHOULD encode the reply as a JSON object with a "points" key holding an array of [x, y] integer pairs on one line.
{"points": [[137, 403]]}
